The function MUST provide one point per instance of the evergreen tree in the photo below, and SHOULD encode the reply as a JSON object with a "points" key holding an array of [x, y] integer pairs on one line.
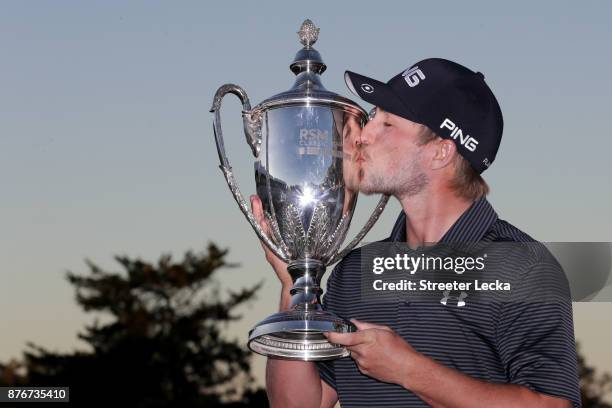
{"points": [[594, 387], [161, 343]]}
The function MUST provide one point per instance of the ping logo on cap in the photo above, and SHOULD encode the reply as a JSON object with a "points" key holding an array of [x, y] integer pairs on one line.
{"points": [[466, 140], [413, 76]]}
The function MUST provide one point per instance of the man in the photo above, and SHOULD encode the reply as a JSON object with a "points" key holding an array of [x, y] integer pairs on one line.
{"points": [[436, 127]]}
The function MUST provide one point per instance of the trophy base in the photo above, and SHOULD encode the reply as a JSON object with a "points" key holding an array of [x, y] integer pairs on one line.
{"points": [[298, 335]]}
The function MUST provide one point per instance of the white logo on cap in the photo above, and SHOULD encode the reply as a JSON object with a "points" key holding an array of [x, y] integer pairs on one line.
{"points": [[466, 140], [367, 88], [413, 76]]}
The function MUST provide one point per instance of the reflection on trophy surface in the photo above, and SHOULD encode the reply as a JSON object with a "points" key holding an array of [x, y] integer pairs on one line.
{"points": [[351, 133], [307, 179]]}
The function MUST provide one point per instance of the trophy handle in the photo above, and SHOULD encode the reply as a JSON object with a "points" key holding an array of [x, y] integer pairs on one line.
{"points": [[252, 131], [366, 228]]}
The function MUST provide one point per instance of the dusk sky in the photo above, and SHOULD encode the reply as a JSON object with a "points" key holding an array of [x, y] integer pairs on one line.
{"points": [[106, 143]]}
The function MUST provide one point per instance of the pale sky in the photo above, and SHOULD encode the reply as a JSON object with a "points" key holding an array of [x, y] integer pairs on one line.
{"points": [[106, 143]]}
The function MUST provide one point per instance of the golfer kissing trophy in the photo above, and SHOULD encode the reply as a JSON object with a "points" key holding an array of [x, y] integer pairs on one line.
{"points": [[307, 180]]}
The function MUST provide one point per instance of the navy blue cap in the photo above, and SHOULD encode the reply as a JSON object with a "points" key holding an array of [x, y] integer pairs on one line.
{"points": [[450, 99]]}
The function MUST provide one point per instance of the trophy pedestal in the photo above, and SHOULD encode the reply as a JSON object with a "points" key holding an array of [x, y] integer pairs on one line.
{"points": [[298, 335]]}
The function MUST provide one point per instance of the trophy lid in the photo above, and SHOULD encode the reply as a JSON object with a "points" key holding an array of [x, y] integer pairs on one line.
{"points": [[307, 88]]}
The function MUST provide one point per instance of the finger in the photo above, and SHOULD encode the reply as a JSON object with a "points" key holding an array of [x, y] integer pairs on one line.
{"points": [[347, 339], [357, 350], [365, 325], [257, 208]]}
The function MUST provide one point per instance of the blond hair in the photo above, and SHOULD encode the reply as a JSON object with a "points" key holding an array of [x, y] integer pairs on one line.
{"points": [[466, 183]]}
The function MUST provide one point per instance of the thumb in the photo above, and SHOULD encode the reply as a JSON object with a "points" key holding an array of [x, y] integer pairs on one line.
{"points": [[255, 202], [256, 207], [365, 325]]}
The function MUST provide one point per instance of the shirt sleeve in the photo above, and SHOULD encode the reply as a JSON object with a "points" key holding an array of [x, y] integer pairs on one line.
{"points": [[535, 334], [326, 372]]}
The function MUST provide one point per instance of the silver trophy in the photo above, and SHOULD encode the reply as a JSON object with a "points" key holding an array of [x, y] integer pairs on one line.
{"points": [[307, 181]]}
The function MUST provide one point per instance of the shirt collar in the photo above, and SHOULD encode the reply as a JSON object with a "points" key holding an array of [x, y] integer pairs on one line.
{"points": [[469, 227]]}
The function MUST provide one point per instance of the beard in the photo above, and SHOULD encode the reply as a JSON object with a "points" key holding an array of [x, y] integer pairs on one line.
{"points": [[407, 180]]}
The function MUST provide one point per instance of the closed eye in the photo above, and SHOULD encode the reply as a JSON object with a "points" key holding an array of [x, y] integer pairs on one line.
{"points": [[387, 124]]}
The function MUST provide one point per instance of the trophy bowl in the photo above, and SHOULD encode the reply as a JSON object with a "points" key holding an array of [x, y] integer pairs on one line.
{"points": [[307, 180]]}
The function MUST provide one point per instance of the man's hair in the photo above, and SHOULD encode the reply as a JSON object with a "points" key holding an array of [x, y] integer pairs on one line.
{"points": [[467, 182]]}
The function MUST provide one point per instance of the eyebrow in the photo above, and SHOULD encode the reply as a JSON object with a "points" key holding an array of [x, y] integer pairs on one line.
{"points": [[384, 113]]}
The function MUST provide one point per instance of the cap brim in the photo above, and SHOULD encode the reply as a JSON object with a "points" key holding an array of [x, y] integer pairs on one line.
{"points": [[378, 94]]}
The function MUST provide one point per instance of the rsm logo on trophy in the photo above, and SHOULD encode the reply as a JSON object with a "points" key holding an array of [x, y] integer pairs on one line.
{"points": [[313, 142]]}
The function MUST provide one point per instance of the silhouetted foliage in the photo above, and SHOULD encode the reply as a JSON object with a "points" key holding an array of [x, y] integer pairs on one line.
{"points": [[162, 345], [593, 387]]}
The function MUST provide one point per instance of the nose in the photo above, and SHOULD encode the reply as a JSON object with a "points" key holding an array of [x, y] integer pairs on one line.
{"points": [[356, 138], [351, 135], [367, 134]]}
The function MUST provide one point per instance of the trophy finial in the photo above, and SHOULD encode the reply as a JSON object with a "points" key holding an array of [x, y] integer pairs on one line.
{"points": [[309, 33]]}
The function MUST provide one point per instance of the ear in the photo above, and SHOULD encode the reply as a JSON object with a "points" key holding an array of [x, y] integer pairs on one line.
{"points": [[443, 154]]}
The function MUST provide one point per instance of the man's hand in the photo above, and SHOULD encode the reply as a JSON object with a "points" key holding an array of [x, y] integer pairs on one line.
{"points": [[277, 264], [378, 351], [382, 354]]}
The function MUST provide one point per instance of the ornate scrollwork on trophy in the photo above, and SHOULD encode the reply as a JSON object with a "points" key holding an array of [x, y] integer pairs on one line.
{"points": [[252, 129]]}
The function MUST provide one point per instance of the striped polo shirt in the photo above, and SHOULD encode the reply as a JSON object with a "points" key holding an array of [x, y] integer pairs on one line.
{"points": [[529, 342]]}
